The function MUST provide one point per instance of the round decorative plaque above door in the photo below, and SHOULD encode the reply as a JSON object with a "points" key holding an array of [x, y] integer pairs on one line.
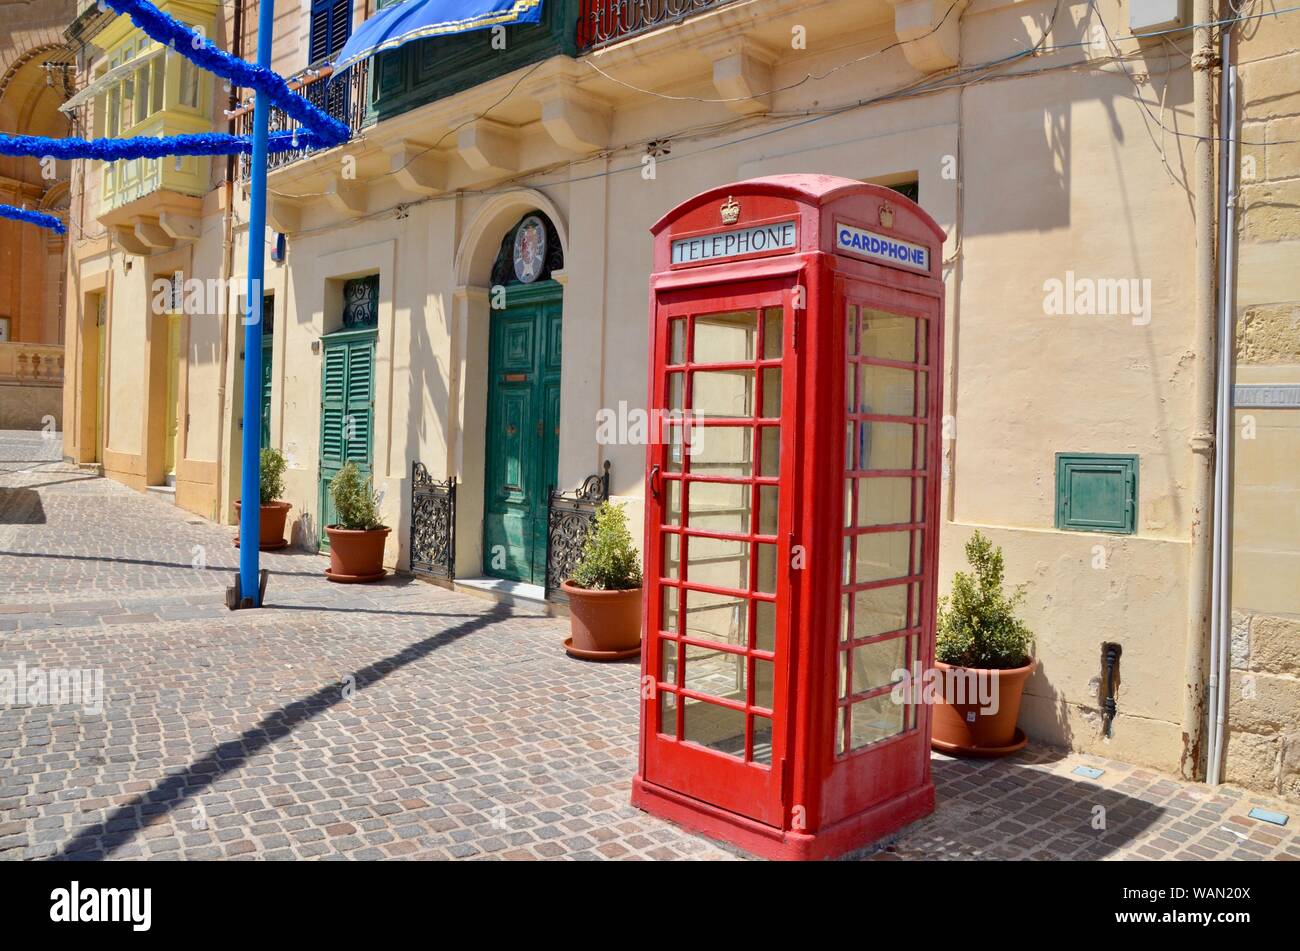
{"points": [[530, 249]]}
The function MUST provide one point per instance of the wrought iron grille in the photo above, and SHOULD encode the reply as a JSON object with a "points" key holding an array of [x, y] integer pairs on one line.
{"points": [[433, 525], [361, 303], [345, 99], [569, 516], [601, 22]]}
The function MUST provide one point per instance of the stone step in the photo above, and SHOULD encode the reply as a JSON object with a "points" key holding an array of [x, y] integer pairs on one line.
{"points": [[525, 598], [165, 493]]}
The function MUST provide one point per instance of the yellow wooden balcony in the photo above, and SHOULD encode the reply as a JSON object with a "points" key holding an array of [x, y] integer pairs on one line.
{"points": [[140, 88]]}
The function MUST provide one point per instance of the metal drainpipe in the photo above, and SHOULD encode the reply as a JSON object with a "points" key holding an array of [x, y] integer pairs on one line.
{"points": [[1221, 629], [227, 266], [1204, 60]]}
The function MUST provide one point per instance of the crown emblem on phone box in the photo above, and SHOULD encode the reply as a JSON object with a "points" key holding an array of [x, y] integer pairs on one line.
{"points": [[730, 211]]}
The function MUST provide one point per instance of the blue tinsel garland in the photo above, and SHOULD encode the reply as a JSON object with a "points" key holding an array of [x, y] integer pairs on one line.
{"points": [[113, 150], [321, 131], [33, 218]]}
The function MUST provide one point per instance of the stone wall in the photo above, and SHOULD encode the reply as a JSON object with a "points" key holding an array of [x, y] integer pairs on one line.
{"points": [[30, 24], [29, 405], [1263, 745]]}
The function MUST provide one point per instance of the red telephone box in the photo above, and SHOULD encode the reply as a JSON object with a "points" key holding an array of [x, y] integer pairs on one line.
{"points": [[791, 514]]}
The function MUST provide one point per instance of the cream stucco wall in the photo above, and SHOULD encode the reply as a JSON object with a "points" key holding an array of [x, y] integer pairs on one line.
{"points": [[1060, 174], [1045, 168]]}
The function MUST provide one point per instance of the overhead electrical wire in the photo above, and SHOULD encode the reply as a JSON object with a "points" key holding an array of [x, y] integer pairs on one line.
{"points": [[954, 79], [613, 151], [950, 80], [809, 77]]}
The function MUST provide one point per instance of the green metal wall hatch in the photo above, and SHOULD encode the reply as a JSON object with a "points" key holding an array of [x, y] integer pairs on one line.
{"points": [[1096, 492]]}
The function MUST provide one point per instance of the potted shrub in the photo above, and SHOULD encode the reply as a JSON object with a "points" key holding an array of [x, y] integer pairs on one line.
{"points": [[605, 591], [357, 539], [273, 511], [984, 654]]}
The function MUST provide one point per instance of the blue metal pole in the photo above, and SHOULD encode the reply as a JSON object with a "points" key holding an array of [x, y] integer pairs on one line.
{"points": [[251, 472]]}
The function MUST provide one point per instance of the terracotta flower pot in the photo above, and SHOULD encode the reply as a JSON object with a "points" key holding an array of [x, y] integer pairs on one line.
{"points": [[968, 724], [356, 555], [270, 525], [606, 625]]}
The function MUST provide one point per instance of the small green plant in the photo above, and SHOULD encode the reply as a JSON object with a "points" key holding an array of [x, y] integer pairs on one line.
{"points": [[273, 466], [977, 624], [355, 500], [609, 558]]}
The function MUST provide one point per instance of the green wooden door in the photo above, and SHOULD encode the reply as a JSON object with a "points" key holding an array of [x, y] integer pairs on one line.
{"points": [[266, 393], [268, 328], [347, 412], [523, 432]]}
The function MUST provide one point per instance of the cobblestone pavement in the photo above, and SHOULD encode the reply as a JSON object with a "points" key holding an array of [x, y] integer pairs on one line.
{"points": [[400, 719]]}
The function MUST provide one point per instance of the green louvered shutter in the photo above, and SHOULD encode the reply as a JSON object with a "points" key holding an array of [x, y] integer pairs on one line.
{"points": [[266, 394], [268, 329], [347, 411], [333, 389], [360, 405]]}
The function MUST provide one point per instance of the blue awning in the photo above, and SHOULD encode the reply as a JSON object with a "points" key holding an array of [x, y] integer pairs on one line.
{"points": [[421, 19]]}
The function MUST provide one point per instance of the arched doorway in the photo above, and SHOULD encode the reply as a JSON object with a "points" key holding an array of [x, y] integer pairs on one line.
{"points": [[522, 436]]}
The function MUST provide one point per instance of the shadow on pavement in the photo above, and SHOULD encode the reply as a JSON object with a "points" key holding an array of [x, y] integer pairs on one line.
{"points": [[1004, 809], [21, 507], [102, 839]]}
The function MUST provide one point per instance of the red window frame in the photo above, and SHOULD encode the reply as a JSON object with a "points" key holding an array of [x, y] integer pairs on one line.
{"points": [[899, 757], [739, 784]]}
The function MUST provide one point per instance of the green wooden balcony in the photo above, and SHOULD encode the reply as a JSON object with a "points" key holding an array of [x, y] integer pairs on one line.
{"points": [[433, 69]]}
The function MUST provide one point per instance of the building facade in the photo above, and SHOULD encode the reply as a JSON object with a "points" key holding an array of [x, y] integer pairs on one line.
{"points": [[464, 286], [35, 78]]}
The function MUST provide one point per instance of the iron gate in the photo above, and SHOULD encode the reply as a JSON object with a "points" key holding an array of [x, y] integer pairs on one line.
{"points": [[433, 525], [569, 516], [568, 519]]}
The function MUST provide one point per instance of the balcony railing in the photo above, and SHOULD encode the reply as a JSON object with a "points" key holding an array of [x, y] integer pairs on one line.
{"points": [[345, 100], [602, 22]]}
